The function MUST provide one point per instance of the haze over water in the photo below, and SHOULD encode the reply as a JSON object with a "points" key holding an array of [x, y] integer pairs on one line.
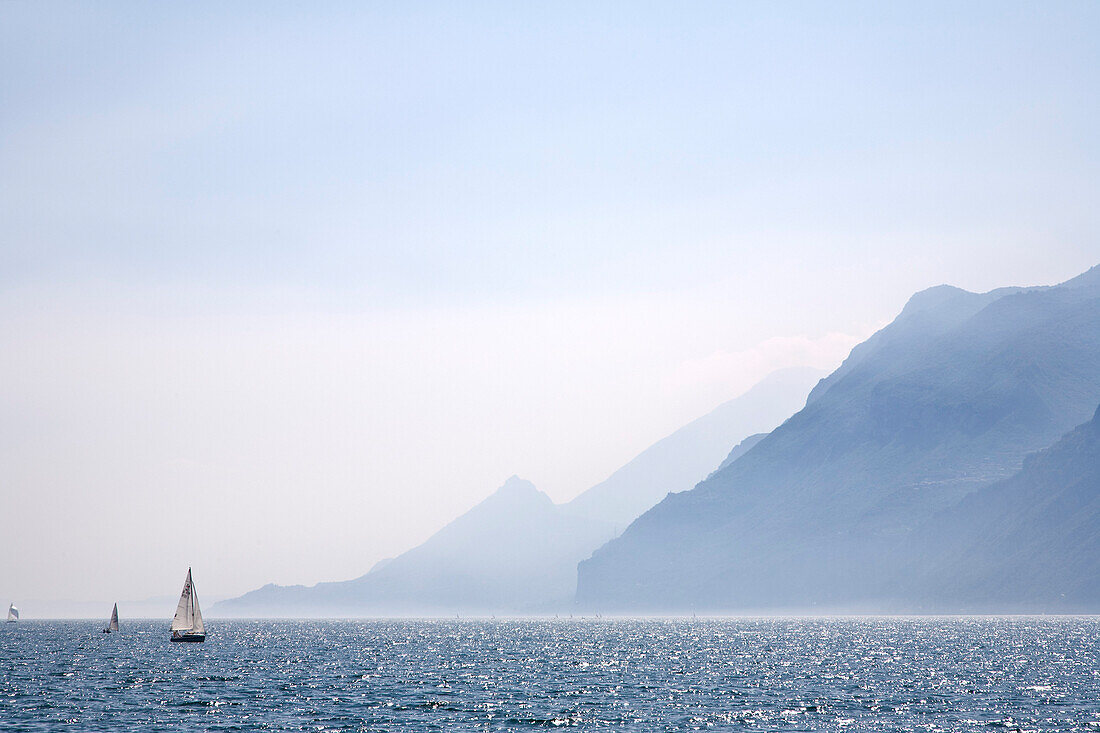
{"points": [[390, 254], [760, 307], [878, 674]]}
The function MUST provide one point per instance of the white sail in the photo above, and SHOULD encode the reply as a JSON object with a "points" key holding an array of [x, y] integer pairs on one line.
{"points": [[13, 613], [113, 625], [196, 614], [183, 620]]}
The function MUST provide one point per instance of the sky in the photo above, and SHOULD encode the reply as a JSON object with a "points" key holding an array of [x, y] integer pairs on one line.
{"points": [[284, 287]]}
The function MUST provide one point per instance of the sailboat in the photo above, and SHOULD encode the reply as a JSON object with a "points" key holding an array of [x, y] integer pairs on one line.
{"points": [[13, 614], [112, 625], [187, 623]]}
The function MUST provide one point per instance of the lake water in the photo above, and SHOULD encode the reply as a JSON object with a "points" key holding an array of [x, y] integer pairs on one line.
{"points": [[677, 675]]}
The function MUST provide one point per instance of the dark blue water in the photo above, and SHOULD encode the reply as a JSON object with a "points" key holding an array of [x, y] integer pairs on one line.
{"points": [[737, 674]]}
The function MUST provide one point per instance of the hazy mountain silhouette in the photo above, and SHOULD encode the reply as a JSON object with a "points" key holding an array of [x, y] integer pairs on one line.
{"points": [[517, 551], [514, 551], [684, 458], [948, 398], [1029, 543]]}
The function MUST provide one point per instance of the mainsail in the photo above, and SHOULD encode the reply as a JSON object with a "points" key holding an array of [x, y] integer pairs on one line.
{"points": [[196, 614], [13, 613], [113, 625], [188, 616]]}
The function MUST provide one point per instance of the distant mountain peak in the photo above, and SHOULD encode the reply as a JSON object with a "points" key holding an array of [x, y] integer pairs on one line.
{"points": [[934, 297], [515, 551], [518, 551], [950, 296], [516, 486]]}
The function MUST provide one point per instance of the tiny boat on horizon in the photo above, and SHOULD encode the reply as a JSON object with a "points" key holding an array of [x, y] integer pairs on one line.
{"points": [[112, 625], [13, 614], [187, 623]]}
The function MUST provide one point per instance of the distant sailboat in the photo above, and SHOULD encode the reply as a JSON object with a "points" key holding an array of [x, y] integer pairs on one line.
{"points": [[13, 614], [112, 625], [187, 623]]}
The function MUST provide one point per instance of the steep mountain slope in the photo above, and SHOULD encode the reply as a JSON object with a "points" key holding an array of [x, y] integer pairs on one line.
{"points": [[515, 551], [739, 450], [946, 399], [685, 457], [1029, 543]]}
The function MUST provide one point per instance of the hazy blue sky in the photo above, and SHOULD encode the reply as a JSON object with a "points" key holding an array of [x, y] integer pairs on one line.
{"points": [[285, 287]]}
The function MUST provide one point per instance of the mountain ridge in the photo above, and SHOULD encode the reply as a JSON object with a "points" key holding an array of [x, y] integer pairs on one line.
{"points": [[460, 568], [639, 484], [947, 398]]}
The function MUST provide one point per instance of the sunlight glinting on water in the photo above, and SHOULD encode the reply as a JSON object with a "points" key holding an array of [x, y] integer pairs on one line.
{"points": [[943, 674]]}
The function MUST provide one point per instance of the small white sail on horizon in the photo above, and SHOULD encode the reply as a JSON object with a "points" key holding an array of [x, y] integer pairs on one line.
{"points": [[13, 614], [112, 625], [187, 623]]}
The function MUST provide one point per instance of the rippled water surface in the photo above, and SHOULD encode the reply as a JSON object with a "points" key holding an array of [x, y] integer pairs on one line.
{"points": [[732, 674]]}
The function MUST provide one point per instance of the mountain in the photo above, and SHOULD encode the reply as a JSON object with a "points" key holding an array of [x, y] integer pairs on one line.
{"points": [[517, 551], [739, 450], [1028, 543], [945, 400], [685, 457]]}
